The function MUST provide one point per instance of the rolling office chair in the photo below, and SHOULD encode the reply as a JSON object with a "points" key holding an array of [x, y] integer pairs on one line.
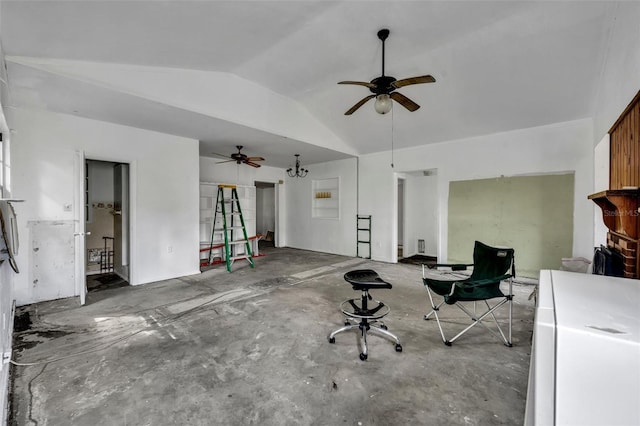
{"points": [[363, 317]]}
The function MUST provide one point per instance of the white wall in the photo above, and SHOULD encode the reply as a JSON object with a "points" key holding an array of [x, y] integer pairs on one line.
{"points": [[193, 90], [619, 83], [6, 273], [620, 77], [164, 184], [326, 235], [100, 182], [6, 333], [600, 183], [561, 147], [211, 170]]}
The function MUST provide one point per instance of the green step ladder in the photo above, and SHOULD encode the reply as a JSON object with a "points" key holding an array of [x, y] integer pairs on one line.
{"points": [[228, 221]]}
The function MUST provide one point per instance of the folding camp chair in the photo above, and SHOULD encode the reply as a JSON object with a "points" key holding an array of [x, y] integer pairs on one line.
{"points": [[491, 266]]}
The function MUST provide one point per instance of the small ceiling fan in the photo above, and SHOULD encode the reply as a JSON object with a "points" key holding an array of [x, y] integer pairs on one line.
{"points": [[240, 158], [383, 87]]}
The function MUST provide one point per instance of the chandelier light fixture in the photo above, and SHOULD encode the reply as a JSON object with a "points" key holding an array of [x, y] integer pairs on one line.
{"points": [[299, 171]]}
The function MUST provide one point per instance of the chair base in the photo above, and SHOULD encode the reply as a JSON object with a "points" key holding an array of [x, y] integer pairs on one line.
{"points": [[476, 319], [367, 321], [367, 327]]}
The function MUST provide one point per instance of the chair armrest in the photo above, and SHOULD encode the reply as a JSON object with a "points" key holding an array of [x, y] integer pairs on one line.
{"points": [[481, 283], [452, 266]]}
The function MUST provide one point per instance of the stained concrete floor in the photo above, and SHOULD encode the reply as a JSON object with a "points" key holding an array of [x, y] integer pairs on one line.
{"points": [[250, 347]]}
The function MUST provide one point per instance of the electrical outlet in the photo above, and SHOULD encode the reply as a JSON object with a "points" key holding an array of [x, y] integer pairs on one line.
{"points": [[67, 207], [6, 358]]}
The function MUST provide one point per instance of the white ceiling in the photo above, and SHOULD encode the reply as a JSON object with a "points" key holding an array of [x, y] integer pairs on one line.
{"points": [[499, 65]]}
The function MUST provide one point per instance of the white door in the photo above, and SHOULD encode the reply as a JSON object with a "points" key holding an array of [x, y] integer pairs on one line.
{"points": [[121, 220], [79, 218]]}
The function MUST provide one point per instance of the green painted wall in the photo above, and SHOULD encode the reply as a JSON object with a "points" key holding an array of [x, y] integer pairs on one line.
{"points": [[532, 214]]}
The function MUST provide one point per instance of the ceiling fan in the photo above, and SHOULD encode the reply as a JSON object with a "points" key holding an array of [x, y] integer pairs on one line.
{"points": [[383, 87], [240, 158]]}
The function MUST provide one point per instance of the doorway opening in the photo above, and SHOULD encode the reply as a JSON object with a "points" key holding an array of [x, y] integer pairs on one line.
{"points": [[266, 213], [107, 224], [417, 216], [401, 220]]}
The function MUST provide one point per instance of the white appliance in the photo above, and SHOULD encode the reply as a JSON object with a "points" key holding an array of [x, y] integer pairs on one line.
{"points": [[585, 357]]}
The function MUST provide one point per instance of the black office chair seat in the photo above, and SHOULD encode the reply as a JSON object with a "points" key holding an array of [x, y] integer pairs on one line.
{"points": [[367, 318]]}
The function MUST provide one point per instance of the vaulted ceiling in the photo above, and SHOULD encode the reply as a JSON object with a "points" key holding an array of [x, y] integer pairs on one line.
{"points": [[263, 74]]}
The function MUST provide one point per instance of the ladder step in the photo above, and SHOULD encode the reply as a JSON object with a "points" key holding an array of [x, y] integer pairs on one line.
{"points": [[220, 225], [240, 257]]}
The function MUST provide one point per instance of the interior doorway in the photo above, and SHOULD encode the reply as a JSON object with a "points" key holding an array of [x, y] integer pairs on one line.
{"points": [[107, 224], [401, 221], [266, 213]]}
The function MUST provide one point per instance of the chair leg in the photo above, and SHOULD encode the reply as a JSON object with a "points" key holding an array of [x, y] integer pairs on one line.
{"points": [[478, 320], [365, 350], [435, 312], [510, 297], [507, 342], [332, 336]]}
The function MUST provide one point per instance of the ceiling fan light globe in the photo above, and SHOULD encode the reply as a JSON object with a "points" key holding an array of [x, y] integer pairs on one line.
{"points": [[382, 104]]}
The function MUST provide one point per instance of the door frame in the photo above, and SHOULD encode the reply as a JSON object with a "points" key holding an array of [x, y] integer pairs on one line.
{"points": [[278, 194], [81, 157], [79, 219]]}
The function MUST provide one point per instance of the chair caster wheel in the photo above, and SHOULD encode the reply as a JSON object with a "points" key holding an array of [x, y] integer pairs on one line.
{"points": [[509, 345], [384, 327], [398, 347], [347, 323], [426, 318], [363, 357], [448, 343], [332, 339]]}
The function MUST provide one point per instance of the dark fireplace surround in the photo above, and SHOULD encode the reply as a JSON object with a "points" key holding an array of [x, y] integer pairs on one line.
{"points": [[620, 215]]}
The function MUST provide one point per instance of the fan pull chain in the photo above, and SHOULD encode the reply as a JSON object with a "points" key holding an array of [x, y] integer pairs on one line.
{"points": [[392, 138]]}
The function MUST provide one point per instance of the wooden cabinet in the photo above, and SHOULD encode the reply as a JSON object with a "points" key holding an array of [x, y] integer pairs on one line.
{"points": [[621, 203], [624, 137]]}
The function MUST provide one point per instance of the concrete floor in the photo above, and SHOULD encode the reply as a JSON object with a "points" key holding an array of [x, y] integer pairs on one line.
{"points": [[250, 347]]}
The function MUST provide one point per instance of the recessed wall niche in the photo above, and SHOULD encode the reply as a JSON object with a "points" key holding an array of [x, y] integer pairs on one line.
{"points": [[325, 198]]}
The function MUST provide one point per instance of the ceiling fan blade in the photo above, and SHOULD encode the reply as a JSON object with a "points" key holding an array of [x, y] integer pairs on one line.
{"points": [[255, 159], [413, 80], [249, 163], [359, 83], [404, 101], [220, 155], [359, 104]]}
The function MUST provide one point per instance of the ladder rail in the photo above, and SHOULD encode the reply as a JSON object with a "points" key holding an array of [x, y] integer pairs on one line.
{"points": [[213, 227], [244, 229], [360, 228], [229, 208]]}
